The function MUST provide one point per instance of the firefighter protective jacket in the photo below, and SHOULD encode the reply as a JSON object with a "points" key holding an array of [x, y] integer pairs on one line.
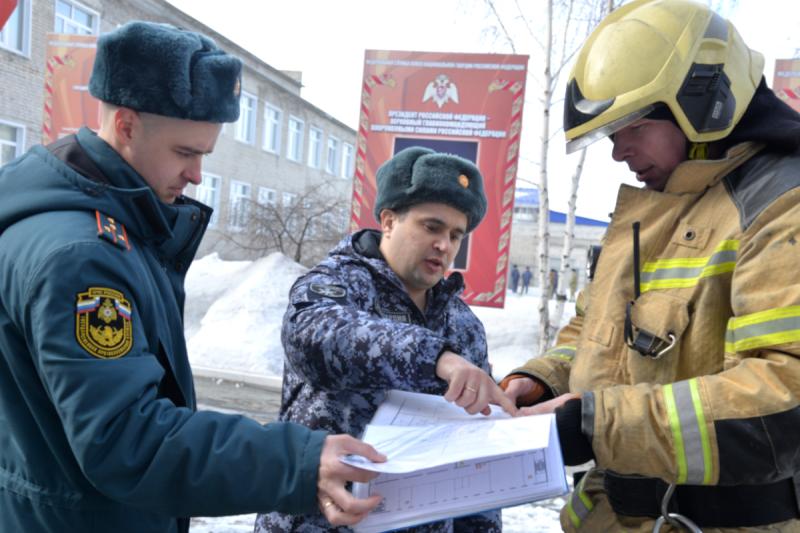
{"points": [[720, 292]]}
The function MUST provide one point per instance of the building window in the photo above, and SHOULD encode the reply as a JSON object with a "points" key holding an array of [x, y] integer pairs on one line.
{"points": [[267, 196], [239, 204], [15, 35], [332, 162], [272, 129], [525, 212], [314, 147], [72, 17], [348, 160], [246, 125], [208, 192], [294, 150], [12, 141], [289, 199]]}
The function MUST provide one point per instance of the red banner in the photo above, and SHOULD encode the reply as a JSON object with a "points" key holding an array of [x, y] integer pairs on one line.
{"points": [[787, 82], [67, 102], [465, 104], [6, 8]]}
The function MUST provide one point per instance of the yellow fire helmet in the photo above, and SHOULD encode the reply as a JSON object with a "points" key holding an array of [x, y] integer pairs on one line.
{"points": [[674, 52]]}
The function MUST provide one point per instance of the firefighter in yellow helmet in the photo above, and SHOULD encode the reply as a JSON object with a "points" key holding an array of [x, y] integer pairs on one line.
{"points": [[680, 374]]}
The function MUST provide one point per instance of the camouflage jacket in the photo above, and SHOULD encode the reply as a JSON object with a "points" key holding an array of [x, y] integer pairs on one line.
{"points": [[351, 332]]}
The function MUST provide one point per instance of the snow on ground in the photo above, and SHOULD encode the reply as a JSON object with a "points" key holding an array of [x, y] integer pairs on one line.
{"points": [[512, 332], [541, 517], [233, 317]]}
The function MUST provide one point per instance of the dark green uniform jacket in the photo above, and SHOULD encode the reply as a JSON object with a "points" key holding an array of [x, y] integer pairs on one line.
{"points": [[98, 428]]}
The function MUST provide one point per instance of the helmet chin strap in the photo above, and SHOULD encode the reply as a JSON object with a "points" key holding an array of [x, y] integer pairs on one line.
{"points": [[698, 151]]}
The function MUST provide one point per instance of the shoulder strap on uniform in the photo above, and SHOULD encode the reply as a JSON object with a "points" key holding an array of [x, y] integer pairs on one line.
{"points": [[760, 181], [112, 231]]}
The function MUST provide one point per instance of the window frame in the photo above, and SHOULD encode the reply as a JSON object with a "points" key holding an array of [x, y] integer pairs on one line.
{"points": [[217, 198], [20, 142], [318, 152], [94, 30], [250, 135], [24, 10], [292, 143], [331, 166], [268, 130], [269, 191], [348, 165], [288, 199], [233, 211]]}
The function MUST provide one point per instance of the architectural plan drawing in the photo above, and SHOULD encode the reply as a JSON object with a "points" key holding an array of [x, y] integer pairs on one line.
{"points": [[448, 463]]}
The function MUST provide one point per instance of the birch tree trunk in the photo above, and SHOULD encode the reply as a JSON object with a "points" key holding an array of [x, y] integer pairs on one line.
{"points": [[544, 204], [569, 237]]}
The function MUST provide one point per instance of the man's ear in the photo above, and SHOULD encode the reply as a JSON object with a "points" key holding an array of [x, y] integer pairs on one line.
{"points": [[388, 221], [126, 125]]}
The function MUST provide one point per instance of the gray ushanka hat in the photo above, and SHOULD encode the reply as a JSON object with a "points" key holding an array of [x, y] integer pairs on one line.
{"points": [[417, 175], [160, 69]]}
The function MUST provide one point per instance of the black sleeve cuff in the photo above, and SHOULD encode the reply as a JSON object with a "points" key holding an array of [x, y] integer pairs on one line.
{"points": [[575, 446]]}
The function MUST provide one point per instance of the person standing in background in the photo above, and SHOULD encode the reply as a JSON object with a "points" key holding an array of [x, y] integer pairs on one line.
{"points": [[514, 279]]}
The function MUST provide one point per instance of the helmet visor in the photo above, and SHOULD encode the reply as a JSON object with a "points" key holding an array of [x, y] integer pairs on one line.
{"points": [[581, 142]]}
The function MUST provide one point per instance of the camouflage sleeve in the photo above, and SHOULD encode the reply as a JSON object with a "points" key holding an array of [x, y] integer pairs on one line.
{"points": [[466, 335], [331, 341]]}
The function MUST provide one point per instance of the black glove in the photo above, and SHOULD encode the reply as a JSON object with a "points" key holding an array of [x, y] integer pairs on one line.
{"points": [[575, 446]]}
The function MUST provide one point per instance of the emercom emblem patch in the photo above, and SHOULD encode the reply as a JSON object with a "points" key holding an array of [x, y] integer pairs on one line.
{"points": [[103, 323]]}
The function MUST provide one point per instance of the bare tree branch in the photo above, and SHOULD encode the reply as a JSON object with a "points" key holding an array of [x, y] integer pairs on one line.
{"points": [[528, 26], [304, 228], [490, 3]]}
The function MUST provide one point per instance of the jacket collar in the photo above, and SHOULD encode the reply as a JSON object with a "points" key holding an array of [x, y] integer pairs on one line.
{"points": [[171, 228], [693, 177]]}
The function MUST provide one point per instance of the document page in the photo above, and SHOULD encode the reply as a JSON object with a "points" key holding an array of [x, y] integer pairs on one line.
{"points": [[443, 462], [402, 408], [415, 448]]}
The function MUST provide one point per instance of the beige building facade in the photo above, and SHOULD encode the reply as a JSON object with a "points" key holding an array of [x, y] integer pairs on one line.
{"points": [[524, 247]]}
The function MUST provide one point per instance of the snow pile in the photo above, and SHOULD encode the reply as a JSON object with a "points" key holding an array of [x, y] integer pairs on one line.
{"points": [[241, 329], [207, 279]]}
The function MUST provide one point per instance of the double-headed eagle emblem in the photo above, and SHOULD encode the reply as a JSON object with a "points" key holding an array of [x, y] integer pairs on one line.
{"points": [[441, 90]]}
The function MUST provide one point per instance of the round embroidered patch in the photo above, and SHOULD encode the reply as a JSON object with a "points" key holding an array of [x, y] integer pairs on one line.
{"points": [[103, 322]]}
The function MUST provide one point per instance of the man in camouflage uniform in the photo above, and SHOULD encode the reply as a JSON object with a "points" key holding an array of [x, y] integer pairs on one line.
{"points": [[377, 314]]}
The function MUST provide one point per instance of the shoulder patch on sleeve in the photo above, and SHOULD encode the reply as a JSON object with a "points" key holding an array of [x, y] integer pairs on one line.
{"points": [[333, 292], [112, 231], [103, 322]]}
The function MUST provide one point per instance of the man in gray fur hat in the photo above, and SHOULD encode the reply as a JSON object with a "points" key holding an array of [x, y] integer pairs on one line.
{"points": [[97, 405], [378, 314]]}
